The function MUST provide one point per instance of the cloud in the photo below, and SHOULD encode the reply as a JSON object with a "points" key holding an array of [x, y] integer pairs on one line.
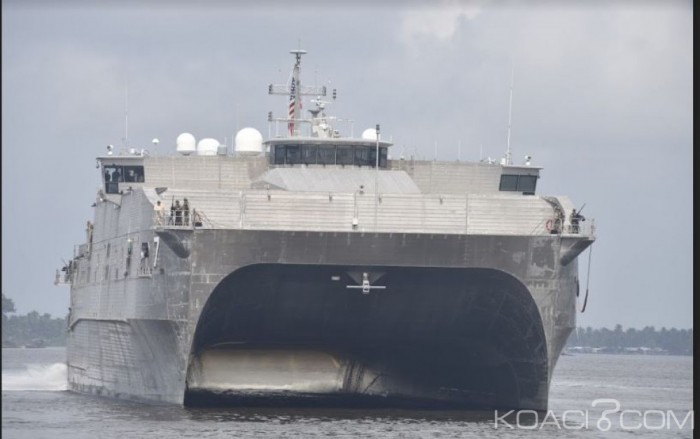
{"points": [[602, 99], [438, 23]]}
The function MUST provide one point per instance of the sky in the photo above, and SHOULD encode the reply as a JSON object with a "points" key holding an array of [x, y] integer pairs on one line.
{"points": [[602, 100]]}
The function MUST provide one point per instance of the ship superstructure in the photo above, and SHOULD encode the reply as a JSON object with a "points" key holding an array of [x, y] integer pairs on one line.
{"points": [[312, 268]]}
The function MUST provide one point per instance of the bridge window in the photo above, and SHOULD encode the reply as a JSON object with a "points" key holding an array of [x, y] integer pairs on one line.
{"points": [[309, 154], [518, 183], [133, 174], [527, 183], [115, 174], [279, 155], [362, 156], [508, 183], [344, 155], [326, 155], [293, 155]]}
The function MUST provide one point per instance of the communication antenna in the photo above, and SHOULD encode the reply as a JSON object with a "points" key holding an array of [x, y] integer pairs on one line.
{"points": [[376, 179], [238, 119], [510, 111], [126, 111], [294, 91]]}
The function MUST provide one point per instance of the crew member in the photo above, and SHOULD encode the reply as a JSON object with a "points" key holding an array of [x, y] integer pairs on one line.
{"points": [[196, 218], [171, 220], [575, 218], [178, 213], [559, 222], [160, 213], [186, 212]]}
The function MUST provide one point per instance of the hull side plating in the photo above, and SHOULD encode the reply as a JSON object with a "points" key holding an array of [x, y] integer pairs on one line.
{"points": [[265, 317]]}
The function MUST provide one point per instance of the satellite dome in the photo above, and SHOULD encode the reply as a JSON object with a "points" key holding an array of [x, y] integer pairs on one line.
{"points": [[369, 134], [249, 140], [208, 146], [185, 144]]}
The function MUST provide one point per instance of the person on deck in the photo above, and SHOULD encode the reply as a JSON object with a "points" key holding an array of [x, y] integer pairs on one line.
{"points": [[196, 218], [575, 219], [186, 212], [178, 213], [159, 209]]}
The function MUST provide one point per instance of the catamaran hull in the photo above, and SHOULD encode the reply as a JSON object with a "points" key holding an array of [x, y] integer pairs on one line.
{"points": [[251, 324]]}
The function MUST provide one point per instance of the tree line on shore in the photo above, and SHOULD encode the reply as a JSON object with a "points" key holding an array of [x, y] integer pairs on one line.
{"points": [[672, 341], [31, 329]]}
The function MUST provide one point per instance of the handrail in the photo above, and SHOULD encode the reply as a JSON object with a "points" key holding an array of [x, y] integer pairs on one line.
{"points": [[537, 230], [582, 229], [185, 220], [62, 280], [144, 271], [550, 223], [172, 218], [204, 220]]}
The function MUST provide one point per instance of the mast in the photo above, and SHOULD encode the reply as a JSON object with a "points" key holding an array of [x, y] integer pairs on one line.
{"points": [[509, 161], [126, 113], [294, 91], [295, 96]]}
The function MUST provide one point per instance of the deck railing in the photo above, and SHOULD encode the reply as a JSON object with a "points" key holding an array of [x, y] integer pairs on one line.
{"points": [[62, 278], [555, 227], [180, 220], [584, 228], [365, 212], [144, 270]]}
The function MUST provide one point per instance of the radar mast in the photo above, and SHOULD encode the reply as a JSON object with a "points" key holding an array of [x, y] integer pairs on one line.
{"points": [[295, 91]]}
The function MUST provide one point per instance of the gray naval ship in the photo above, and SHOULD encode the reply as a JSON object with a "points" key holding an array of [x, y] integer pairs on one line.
{"points": [[313, 269]]}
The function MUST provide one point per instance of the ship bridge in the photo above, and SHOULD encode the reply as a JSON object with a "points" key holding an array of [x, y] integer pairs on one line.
{"points": [[122, 171], [322, 152]]}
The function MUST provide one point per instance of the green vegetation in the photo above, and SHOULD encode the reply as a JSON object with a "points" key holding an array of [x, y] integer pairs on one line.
{"points": [[648, 340], [32, 329]]}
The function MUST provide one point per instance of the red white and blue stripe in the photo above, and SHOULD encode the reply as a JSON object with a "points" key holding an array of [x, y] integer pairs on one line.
{"points": [[292, 102]]}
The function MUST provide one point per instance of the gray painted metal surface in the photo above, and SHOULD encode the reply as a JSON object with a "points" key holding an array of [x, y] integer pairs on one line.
{"points": [[318, 179], [135, 316], [446, 286]]}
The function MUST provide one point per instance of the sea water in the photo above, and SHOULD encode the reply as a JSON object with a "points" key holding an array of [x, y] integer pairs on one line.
{"points": [[592, 395]]}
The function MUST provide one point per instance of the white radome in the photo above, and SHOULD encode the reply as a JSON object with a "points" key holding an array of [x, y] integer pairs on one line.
{"points": [[185, 144], [249, 140], [369, 134], [207, 146]]}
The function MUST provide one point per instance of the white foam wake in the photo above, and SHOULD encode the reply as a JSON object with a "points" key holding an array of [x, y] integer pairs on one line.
{"points": [[50, 377]]}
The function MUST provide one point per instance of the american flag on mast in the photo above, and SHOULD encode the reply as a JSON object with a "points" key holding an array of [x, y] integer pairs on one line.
{"points": [[292, 102]]}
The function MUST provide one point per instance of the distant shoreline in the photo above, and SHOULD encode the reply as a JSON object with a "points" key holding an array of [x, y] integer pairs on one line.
{"points": [[642, 354]]}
